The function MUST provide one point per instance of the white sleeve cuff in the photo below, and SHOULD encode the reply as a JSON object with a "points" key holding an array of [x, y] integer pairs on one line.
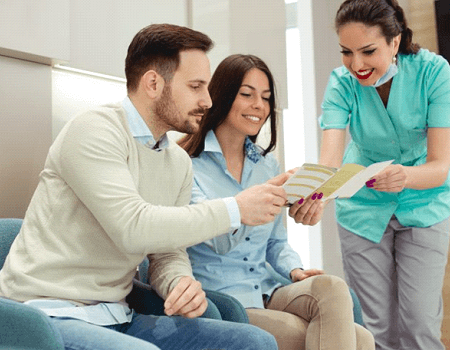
{"points": [[233, 211]]}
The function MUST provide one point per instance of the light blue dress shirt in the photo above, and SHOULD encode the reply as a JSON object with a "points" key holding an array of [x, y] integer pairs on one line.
{"points": [[140, 130], [102, 314], [235, 263], [419, 99]]}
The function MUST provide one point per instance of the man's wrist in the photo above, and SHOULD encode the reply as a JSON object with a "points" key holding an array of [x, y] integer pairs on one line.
{"points": [[234, 213]]}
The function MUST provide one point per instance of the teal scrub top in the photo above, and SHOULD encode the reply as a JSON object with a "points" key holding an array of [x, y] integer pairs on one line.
{"points": [[419, 99]]}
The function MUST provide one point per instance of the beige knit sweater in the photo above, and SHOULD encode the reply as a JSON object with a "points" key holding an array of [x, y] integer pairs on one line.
{"points": [[105, 201]]}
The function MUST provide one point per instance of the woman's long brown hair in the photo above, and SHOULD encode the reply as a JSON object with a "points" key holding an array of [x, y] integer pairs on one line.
{"points": [[223, 88]]}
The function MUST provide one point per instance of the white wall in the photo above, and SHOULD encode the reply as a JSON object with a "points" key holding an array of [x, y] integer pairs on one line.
{"points": [[325, 56], [37, 31], [248, 27], [74, 92], [101, 30]]}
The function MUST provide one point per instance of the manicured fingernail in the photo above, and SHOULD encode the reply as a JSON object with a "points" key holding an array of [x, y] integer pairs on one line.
{"points": [[314, 196], [370, 182], [320, 196], [369, 185], [300, 201]]}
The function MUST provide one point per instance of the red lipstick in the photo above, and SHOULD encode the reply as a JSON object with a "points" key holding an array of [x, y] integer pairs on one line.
{"points": [[364, 76]]}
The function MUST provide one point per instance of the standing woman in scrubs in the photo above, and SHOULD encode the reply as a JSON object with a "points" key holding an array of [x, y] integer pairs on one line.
{"points": [[395, 99]]}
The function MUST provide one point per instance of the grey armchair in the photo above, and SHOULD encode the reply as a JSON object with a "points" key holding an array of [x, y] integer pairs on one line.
{"points": [[25, 327], [220, 305]]}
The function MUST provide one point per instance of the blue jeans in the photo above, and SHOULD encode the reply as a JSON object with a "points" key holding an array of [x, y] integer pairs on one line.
{"points": [[148, 332]]}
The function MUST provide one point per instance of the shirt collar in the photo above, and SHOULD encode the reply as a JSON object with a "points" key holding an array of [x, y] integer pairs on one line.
{"points": [[252, 151], [140, 130]]}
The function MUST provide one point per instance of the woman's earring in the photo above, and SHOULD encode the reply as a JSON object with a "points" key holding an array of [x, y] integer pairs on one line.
{"points": [[394, 60]]}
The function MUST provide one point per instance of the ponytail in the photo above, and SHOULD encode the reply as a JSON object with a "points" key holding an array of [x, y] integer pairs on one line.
{"points": [[406, 44], [387, 14]]}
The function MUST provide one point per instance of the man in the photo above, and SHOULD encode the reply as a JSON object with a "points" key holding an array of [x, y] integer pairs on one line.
{"points": [[115, 189]]}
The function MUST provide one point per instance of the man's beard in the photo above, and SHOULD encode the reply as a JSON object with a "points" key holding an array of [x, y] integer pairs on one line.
{"points": [[167, 111]]}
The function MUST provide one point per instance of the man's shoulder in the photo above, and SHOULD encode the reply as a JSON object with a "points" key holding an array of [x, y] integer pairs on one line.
{"points": [[112, 112], [111, 116], [177, 151]]}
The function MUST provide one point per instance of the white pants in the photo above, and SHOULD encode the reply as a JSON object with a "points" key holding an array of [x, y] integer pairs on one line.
{"points": [[399, 283]]}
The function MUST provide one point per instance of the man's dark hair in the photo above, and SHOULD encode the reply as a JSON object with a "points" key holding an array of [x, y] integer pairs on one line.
{"points": [[158, 47]]}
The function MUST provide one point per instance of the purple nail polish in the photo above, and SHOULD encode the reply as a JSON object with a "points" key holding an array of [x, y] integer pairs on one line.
{"points": [[369, 185], [314, 196], [300, 201], [320, 196]]}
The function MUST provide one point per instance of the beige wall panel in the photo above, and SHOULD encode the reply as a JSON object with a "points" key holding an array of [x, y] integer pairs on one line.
{"points": [[26, 134], [423, 23]]}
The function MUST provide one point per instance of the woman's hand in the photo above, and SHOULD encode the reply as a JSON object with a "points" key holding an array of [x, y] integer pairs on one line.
{"points": [[308, 212], [300, 275], [391, 179]]}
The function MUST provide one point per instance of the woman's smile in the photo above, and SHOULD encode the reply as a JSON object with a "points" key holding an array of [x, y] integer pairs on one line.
{"points": [[364, 74], [252, 118]]}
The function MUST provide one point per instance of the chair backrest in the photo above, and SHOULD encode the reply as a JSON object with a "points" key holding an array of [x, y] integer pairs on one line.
{"points": [[23, 326], [9, 228]]}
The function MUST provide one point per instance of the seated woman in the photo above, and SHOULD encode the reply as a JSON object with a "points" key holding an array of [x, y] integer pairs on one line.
{"points": [[315, 312]]}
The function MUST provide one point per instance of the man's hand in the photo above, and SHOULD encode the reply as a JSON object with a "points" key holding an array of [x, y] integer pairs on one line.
{"points": [[282, 178], [308, 212], [261, 203], [300, 275], [187, 299]]}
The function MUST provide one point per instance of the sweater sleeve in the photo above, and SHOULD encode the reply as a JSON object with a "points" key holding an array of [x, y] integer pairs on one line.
{"points": [[93, 161], [166, 269]]}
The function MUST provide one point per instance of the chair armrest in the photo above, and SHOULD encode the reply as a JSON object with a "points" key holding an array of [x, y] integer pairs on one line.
{"points": [[26, 327], [144, 300], [229, 307], [357, 311]]}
